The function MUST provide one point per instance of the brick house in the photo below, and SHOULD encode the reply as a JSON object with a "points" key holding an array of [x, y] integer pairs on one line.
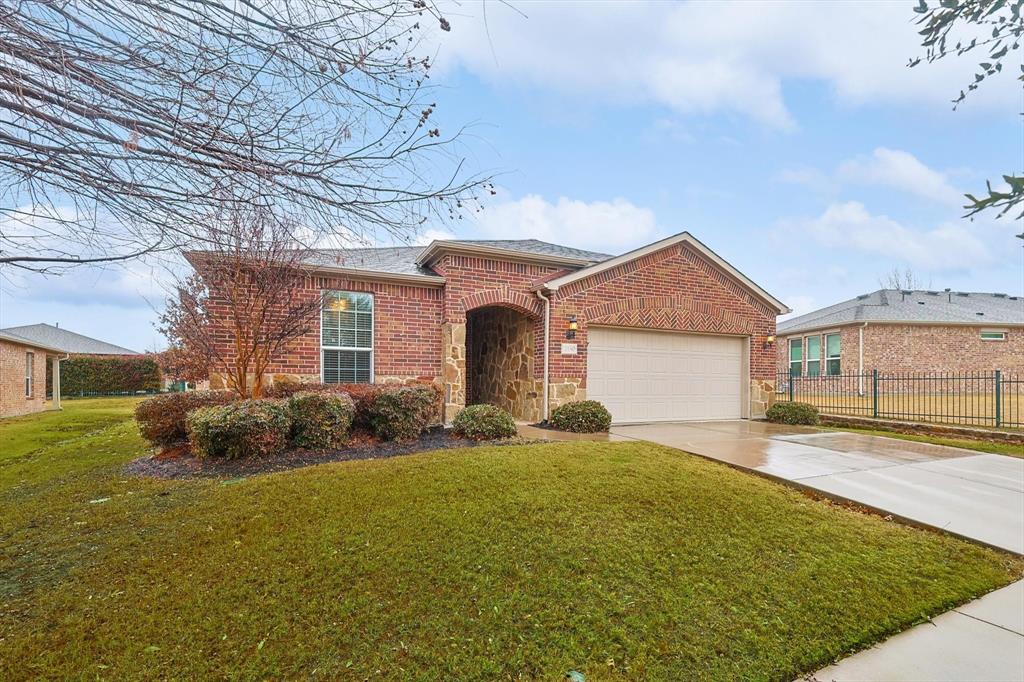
{"points": [[23, 375], [669, 331], [894, 330]]}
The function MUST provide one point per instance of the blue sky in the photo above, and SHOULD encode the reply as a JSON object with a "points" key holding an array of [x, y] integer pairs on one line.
{"points": [[789, 137]]}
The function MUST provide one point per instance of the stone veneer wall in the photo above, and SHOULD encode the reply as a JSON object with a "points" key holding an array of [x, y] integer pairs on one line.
{"points": [[500, 362]]}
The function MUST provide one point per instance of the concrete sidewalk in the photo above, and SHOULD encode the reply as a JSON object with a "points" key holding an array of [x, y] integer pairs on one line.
{"points": [[982, 640]]}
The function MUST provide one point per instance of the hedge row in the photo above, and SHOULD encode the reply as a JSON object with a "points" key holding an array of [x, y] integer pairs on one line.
{"points": [[89, 375], [216, 424]]}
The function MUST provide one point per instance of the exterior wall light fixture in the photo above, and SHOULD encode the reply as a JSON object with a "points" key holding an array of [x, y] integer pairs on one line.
{"points": [[769, 341], [570, 333]]}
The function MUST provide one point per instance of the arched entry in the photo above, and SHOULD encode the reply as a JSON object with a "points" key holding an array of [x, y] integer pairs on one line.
{"points": [[501, 360]]}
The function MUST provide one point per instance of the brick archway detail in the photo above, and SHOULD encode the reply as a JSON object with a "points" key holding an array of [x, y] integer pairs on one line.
{"points": [[678, 313], [507, 298]]}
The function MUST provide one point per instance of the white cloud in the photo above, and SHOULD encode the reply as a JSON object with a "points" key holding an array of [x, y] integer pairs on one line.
{"points": [[900, 170], [849, 225], [134, 284], [610, 226], [710, 57]]}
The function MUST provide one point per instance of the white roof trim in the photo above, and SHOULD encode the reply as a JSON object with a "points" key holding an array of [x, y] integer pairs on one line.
{"points": [[439, 246], [554, 284], [358, 273]]}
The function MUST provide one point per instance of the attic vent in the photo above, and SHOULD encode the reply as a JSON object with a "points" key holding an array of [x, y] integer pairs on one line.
{"points": [[962, 293], [979, 313], [920, 302], [999, 295], [932, 293], [862, 297]]}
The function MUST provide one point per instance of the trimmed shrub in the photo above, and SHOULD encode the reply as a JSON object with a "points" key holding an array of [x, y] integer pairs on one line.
{"points": [[792, 413], [320, 421], [362, 395], [403, 413], [161, 418], [257, 428], [584, 416], [90, 375], [484, 422]]}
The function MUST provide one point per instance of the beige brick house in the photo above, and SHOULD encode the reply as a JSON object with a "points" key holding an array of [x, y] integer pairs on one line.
{"points": [[894, 330], [23, 375]]}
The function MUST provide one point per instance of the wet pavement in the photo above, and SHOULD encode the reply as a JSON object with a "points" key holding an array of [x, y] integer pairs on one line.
{"points": [[976, 495]]}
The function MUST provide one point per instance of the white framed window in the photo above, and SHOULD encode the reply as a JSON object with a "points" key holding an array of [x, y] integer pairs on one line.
{"points": [[796, 357], [992, 335], [813, 347], [30, 362], [346, 338], [833, 349]]}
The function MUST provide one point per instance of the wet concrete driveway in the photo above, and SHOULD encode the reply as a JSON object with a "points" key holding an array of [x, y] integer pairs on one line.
{"points": [[980, 496]]}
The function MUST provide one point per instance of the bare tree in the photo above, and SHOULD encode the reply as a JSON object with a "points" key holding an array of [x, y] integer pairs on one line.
{"points": [[247, 300], [123, 125], [905, 279], [993, 28]]}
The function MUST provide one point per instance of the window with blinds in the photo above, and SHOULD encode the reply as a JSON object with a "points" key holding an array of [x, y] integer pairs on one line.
{"points": [[346, 338]]}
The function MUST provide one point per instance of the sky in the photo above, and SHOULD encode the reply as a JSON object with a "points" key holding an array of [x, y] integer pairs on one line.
{"points": [[789, 137]]}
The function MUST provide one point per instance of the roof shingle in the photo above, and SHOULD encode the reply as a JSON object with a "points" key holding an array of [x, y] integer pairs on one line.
{"points": [[69, 342], [895, 305]]}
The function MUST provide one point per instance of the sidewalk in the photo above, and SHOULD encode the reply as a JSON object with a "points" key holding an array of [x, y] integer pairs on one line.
{"points": [[982, 640]]}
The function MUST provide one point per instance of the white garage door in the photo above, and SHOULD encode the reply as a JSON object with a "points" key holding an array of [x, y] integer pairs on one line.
{"points": [[645, 376]]}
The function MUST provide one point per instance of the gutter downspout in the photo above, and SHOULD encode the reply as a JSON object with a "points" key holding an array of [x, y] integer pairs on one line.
{"points": [[860, 359], [547, 350]]}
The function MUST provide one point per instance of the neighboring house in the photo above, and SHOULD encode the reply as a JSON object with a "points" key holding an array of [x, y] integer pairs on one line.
{"points": [[474, 316], [894, 330], [74, 344], [23, 374]]}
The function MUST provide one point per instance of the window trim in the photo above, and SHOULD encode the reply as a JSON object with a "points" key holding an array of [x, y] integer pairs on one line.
{"points": [[789, 357], [838, 357], [807, 355], [1001, 332], [324, 293], [30, 371]]}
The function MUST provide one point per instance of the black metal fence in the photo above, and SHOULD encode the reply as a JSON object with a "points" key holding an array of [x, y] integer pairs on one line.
{"points": [[972, 398]]}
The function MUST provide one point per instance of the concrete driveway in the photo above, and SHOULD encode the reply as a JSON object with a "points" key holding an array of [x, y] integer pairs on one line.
{"points": [[979, 496]]}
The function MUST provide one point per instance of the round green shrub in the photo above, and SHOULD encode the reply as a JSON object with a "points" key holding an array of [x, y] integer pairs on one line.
{"points": [[403, 413], [161, 418], [320, 421], [484, 422], [248, 428], [584, 416], [792, 413]]}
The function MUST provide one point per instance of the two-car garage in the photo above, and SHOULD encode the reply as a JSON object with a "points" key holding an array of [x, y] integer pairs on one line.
{"points": [[644, 376]]}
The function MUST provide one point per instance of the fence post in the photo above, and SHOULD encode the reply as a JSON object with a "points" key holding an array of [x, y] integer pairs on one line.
{"points": [[874, 393], [792, 380], [999, 398]]}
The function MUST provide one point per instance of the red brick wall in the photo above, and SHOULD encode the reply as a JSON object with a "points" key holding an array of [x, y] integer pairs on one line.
{"points": [[672, 289], [406, 329], [924, 348], [12, 380]]}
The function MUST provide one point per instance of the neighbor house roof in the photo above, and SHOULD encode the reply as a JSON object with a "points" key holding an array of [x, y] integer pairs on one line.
{"points": [[682, 237], [914, 307], [55, 338], [14, 338]]}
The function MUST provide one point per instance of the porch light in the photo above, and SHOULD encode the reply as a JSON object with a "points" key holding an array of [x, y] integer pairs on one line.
{"points": [[573, 326], [769, 341]]}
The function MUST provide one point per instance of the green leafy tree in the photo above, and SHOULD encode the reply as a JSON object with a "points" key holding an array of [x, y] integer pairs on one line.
{"points": [[992, 28]]}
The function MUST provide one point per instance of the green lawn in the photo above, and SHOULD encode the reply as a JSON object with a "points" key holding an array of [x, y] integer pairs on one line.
{"points": [[1011, 449], [620, 560]]}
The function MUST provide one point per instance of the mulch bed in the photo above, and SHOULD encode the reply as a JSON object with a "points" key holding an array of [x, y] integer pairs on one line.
{"points": [[178, 462]]}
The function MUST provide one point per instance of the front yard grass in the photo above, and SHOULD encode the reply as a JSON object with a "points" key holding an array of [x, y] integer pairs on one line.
{"points": [[620, 560]]}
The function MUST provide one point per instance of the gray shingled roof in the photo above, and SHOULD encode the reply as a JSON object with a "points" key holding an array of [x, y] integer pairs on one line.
{"points": [[894, 305], [401, 260], [69, 342]]}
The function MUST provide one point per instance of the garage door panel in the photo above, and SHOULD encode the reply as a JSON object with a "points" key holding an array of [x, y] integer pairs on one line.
{"points": [[655, 376]]}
